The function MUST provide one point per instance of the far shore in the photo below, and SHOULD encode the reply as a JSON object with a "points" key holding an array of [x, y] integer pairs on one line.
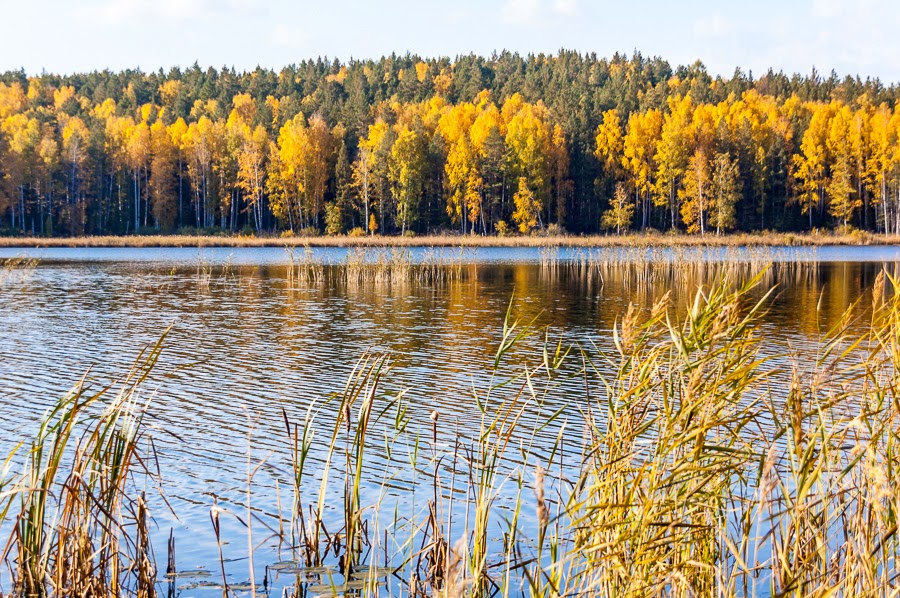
{"points": [[767, 239]]}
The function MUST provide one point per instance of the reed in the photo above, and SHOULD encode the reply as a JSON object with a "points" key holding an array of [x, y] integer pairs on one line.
{"points": [[655, 494], [77, 528]]}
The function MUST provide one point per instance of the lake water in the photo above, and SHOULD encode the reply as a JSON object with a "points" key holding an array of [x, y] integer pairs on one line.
{"points": [[251, 336]]}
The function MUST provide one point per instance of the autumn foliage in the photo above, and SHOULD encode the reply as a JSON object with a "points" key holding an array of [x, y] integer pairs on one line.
{"points": [[477, 146]]}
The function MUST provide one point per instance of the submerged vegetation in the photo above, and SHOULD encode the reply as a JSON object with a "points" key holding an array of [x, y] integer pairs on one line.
{"points": [[502, 145], [690, 464]]}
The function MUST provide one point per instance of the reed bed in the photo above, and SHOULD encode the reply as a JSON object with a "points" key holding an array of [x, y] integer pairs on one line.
{"points": [[646, 270], [16, 267], [640, 271], [381, 266], [652, 239], [698, 468]]}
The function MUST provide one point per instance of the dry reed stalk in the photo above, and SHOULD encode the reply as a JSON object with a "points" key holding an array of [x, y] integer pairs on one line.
{"points": [[763, 239]]}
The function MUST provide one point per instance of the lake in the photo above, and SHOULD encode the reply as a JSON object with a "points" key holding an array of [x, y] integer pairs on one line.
{"points": [[258, 333]]}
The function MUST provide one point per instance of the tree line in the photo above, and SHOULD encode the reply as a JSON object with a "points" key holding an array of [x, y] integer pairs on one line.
{"points": [[403, 145]]}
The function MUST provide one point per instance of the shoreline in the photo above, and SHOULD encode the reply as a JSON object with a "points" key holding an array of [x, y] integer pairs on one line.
{"points": [[634, 240]]}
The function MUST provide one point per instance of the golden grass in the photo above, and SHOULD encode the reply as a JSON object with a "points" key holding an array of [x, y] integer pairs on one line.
{"points": [[765, 239]]}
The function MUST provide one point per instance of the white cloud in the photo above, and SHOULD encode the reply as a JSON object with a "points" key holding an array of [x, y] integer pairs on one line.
{"points": [[565, 7], [530, 12], [288, 37], [456, 15], [112, 12], [713, 26], [875, 12], [521, 12], [851, 36], [827, 9]]}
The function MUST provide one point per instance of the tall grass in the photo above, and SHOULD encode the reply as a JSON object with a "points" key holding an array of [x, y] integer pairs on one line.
{"points": [[693, 464], [78, 527]]}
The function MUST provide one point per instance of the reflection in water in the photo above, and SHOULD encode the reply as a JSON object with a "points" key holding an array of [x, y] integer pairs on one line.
{"points": [[254, 332]]}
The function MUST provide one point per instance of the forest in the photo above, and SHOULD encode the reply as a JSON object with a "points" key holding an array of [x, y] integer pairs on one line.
{"points": [[506, 144]]}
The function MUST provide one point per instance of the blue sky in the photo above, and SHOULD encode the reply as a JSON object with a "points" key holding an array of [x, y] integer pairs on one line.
{"points": [[860, 36]]}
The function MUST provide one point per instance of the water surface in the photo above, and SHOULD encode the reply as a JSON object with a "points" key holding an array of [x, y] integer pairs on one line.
{"points": [[250, 336]]}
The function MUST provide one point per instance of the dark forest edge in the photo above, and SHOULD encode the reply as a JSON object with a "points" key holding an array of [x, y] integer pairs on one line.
{"points": [[489, 146]]}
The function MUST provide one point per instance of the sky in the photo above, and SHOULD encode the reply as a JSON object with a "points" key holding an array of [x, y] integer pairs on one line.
{"points": [[66, 36]]}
